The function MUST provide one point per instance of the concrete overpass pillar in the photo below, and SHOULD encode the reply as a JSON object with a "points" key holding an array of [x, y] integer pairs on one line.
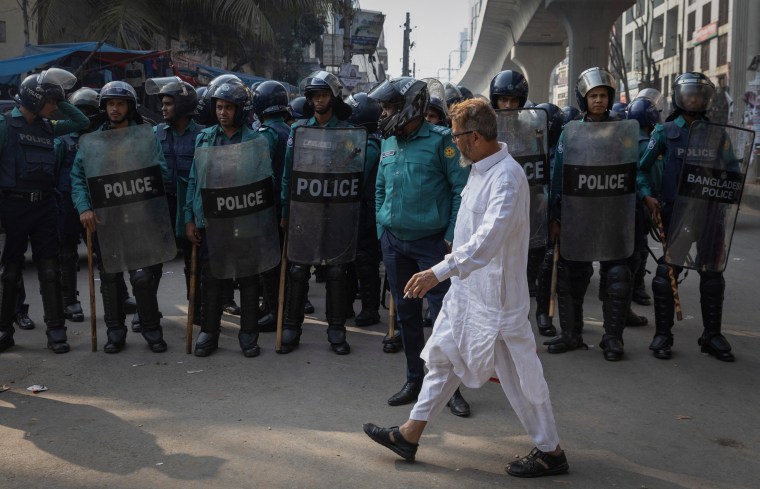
{"points": [[588, 24], [536, 62]]}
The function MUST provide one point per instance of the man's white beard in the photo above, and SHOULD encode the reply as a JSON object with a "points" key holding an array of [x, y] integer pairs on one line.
{"points": [[464, 161]]}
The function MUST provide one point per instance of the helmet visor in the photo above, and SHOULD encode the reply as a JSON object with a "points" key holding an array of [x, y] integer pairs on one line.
{"points": [[694, 97], [595, 77], [321, 80], [437, 91], [57, 76], [154, 86]]}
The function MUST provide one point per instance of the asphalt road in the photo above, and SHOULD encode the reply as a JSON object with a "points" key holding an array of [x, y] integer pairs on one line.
{"points": [[142, 420]]}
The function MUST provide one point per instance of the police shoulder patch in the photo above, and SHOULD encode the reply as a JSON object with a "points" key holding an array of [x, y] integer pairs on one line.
{"points": [[651, 143], [449, 152], [387, 153], [560, 148], [439, 129], [290, 142]]}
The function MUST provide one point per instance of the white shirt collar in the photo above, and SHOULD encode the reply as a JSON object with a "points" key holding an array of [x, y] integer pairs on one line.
{"points": [[487, 163]]}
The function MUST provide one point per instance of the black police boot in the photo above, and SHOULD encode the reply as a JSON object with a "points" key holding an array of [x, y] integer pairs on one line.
{"points": [[211, 319], [248, 337], [49, 274], [136, 322], [144, 287], [711, 288], [72, 308], [543, 295], [112, 290], [535, 258], [9, 282], [295, 296], [271, 288], [569, 307], [369, 278], [336, 319], [640, 295], [633, 320], [393, 344], [615, 309], [663, 314]]}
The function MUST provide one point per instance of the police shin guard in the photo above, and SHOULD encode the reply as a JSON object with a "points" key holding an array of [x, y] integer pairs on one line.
{"points": [[49, 274], [535, 258], [640, 295], [111, 289], [543, 295], [211, 319], [297, 287], [711, 288], [145, 285], [248, 337], [336, 316], [271, 286], [369, 289], [9, 281], [72, 309], [615, 309], [570, 337], [664, 309]]}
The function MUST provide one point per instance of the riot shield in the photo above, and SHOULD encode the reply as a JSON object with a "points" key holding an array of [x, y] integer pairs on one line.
{"points": [[526, 133], [237, 190], [599, 190], [325, 194], [127, 193], [709, 191]]}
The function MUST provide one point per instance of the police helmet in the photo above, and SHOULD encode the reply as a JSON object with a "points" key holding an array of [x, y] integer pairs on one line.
{"points": [[37, 89], [297, 108], [322, 80], [556, 119], [206, 110], [619, 108], [570, 114], [466, 92], [437, 94], [508, 83], [410, 97], [592, 78], [452, 93], [85, 98], [689, 85], [439, 106], [365, 111], [270, 97], [184, 95], [644, 111], [235, 92]]}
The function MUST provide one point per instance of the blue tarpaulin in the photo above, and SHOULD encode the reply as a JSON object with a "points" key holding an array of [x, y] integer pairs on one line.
{"points": [[36, 56]]}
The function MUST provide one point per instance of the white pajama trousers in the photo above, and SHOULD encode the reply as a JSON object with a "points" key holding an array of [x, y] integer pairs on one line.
{"points": [[441, 382]]}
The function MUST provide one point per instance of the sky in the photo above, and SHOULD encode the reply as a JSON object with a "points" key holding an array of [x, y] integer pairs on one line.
{"points": [[438, 24]]}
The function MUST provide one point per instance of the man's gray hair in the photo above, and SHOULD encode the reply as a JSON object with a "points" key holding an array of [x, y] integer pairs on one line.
{"points": [[475, 115]]}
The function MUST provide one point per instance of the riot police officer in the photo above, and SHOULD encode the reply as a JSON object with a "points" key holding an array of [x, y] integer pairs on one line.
{"points": [[692, 94], [119, 101], [28, 207], [508, 90], [233, 104], [365, 112], [325, 108], [270, 104], [595, 93], [177, 135], [415, 224]]}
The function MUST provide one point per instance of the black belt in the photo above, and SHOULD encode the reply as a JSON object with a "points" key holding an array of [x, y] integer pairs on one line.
{"points": [[28, 195]]}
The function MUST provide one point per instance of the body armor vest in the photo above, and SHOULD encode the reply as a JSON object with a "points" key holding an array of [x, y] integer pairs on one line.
{"points": [[70, 148], [678, 142], [178, 151], [27, 161]]}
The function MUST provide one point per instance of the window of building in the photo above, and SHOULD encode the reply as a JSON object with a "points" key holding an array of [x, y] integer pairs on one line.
{"points": [[704, 55], [627, 50], [723, 12], [671, 32], [706, 13], [691, 25], [629, 15], [2, 31], [722, 49], [657, 3], [658, 35], [690, 59]]}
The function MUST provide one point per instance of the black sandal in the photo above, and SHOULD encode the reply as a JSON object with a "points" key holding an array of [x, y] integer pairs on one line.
{"points": [[398, 444], [538, 464]]}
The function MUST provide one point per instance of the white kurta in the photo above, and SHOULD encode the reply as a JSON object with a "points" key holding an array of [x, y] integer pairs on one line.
{"points": [[488, 300]]}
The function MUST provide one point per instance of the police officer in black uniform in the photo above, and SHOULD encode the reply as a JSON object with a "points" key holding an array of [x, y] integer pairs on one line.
{"points": [[28, 206], [119, 100], [365, 112], [325, 107], [270, 104], [177, 135]]}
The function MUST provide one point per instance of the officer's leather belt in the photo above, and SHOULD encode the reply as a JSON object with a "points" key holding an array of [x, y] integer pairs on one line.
{"points": [[27, 195]]}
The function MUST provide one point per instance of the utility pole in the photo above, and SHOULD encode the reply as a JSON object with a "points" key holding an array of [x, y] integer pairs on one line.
{"points": [[348, 14], [407, 30]]}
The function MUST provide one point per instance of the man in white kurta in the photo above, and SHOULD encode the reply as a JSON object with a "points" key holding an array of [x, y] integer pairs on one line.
{"points": [[483, 328]]}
